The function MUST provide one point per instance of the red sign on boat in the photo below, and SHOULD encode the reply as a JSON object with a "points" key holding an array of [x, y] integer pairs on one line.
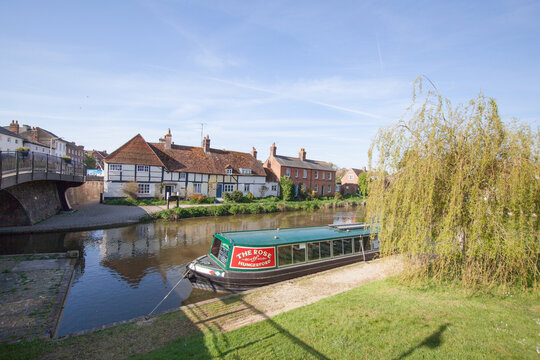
{"points": [[253, 258]]}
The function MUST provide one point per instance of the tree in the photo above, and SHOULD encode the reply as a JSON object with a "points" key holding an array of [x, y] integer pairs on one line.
{"points": [[363, 183], [90, 161], [457, 190], [287, 188], [263, 190]]}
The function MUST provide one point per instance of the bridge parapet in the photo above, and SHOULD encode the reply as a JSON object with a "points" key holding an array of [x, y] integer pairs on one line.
{"points": [[18, 167]]}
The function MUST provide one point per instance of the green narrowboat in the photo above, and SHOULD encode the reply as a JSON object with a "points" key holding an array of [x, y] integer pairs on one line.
{"points": [[239, 260]]}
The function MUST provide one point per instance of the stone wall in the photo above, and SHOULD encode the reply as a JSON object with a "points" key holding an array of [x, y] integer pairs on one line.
{"points": [[39, 199], [87, 192]]}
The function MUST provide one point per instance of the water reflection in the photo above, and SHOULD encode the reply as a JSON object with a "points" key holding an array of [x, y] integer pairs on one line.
{"points": [[126, 271]]}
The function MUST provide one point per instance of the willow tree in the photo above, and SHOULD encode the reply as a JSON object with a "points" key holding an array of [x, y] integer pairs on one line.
{"points": [[458, 190]]}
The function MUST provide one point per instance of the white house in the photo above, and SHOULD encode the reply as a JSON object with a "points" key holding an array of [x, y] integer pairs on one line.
{"points": [[163, 167], [10, 141]]}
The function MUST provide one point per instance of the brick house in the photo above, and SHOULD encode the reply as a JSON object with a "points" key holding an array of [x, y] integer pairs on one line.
{"points": [[349, 181], [317, 176], [164, 167]]}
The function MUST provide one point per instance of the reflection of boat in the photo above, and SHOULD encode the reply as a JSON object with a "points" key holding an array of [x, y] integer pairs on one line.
{"points": [[239, 260]]}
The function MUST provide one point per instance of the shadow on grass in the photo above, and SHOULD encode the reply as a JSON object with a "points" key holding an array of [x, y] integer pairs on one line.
{"points": [[432, 341]]}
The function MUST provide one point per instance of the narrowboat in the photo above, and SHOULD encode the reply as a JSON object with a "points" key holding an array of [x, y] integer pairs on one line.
{"points": [[240, 260]]}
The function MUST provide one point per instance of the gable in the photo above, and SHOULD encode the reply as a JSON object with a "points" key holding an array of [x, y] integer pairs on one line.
{"points": [[135, 151]]}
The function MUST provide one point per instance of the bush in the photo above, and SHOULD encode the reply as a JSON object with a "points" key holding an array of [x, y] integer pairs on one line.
{"points": [[235, 196], [287, 188], [131, 189], [198, 198], [250, 196], [338, 196]]}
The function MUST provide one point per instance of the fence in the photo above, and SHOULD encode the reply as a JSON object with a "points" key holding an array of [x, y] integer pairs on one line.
{"points": [[19, 166]]}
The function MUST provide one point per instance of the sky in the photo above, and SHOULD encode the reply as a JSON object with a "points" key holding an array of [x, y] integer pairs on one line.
{"points": [[319, 75]]}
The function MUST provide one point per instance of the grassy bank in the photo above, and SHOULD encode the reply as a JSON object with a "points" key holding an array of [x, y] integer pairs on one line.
{"points": [[381, 320], [259, 207]]}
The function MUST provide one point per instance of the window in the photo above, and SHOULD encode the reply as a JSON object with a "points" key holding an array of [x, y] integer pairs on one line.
{"points": [[288, 172], [143, 168], [299, 253], [144, 188], [182, 176], [244, 171], [329, 189], [296, 173], [350, 176], [229, 171], [197, 188], [8, 139], [223, 255], [323, 174], [316, 174], [314, 251], [367, 243], [305, 174], [228, 187], [215, 247], [115, 167], [274, 187], [284, 255], [325, 249], [316, 188], [246, 187], [357, 245], [16, 141], [337, 247], [329, 176], [347, 246]]}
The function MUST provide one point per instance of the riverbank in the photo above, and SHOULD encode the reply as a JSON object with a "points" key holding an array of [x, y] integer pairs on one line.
{"points": [[93, 216], [33, 289]]}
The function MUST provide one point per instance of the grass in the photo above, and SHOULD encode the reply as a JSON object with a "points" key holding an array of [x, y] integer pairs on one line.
{"points": [[381, 320]]}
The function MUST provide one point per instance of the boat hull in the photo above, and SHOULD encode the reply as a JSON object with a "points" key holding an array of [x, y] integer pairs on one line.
{"points": [[234, 281]]}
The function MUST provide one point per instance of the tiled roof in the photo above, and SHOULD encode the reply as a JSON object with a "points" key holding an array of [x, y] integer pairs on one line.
{"points": [[195, 160], [357, 171], [4, 131], [270, 175], [303, 164], [135, 151]]}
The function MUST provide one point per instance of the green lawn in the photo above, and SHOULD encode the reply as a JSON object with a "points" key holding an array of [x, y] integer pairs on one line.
{"points": [[382, 320]]}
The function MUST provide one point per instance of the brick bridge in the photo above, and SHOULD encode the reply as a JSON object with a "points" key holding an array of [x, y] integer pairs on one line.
{"points": [[33, 186]]}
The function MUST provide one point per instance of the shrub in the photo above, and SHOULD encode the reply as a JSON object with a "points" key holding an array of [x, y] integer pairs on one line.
{"points": [[250, 196], [235, 196], [338, 196], [287, 188], [198, 198], [131, 189]]}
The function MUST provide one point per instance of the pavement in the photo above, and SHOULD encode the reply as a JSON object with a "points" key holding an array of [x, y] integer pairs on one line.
{"points": [[91, 216]]}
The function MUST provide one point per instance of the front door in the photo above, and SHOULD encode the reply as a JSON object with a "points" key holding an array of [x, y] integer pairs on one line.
{"points": [[168, 191], [322, 190], [219, 190]]}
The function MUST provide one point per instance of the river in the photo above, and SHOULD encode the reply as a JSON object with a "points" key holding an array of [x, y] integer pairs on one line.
{"points": [[125, 272]]}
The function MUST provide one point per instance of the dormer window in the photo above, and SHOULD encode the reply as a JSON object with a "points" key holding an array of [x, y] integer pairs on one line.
{"points": [[229, 171], [245, 171]]}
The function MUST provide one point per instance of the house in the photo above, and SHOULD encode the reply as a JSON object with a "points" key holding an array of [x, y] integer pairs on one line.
{"points": [[99, 156], [38, 139], [317, 176], [9, 141], [166, 168], [349, 181], [75, 152]]}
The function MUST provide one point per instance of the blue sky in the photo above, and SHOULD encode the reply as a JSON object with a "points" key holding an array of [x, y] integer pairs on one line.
{"points": [[323, 75]]}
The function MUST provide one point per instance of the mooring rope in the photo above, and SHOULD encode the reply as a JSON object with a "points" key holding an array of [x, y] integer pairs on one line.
{"points": [[169, 293]]}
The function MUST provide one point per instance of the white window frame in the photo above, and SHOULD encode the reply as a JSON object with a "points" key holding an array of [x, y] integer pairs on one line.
{"points": [[228, 171], [288, 172], [246, 187], [143, 168], [197, 188], [316, 174], [228, 188], [323, 175], [245, 171], [350, 176], [274, 187], [329, 175], [296, 173], [305, 173], [143, 188], [329, 189], [316, 188], [115, 167], [182, 176]]}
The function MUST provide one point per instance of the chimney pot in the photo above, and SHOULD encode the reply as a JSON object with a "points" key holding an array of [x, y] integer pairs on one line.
{"points": [[302, 154], [168, 139], [254, 152], [14, 126], [273, 150], [206, 144]]}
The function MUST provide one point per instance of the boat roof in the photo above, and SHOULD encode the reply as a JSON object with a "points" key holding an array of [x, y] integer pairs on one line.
{"points": [[273, 237]]}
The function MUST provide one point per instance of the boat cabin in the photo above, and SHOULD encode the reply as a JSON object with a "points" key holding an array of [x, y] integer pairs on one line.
{"points": [[259, 250]]}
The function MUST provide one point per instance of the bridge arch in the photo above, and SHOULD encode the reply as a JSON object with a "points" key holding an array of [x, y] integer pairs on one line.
{"points": [[12, 213]]}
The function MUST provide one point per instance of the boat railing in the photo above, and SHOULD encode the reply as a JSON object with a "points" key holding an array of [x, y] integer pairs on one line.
{"points": [[349, 226]]}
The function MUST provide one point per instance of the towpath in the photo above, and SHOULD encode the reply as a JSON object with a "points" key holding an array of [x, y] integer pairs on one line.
{"points": [[90, 216]]}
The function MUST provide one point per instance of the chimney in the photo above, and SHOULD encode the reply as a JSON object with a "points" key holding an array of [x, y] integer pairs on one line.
{"points": [[273, 150], [254, 153], [14, 126], [206, 144], [302, 154], [168, 139], [35, 136]]}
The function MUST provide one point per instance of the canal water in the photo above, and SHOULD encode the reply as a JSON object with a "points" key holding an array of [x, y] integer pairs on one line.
{"points": [[125, 272]]}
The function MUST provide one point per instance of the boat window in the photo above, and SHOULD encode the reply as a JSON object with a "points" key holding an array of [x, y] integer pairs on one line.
{"points": [[347, 246], [299, 253], [313, 251], [284, 255], [357, 245], [215, 247], [325, 249], [337, 247], [367, 243], [223, 255]]}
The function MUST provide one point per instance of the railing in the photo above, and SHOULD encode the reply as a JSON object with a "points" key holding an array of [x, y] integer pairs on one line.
{"points": [[17, 167]]}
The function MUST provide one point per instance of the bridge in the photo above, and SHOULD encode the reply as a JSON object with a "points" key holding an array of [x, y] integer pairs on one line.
{"points": [[33, 186]]}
